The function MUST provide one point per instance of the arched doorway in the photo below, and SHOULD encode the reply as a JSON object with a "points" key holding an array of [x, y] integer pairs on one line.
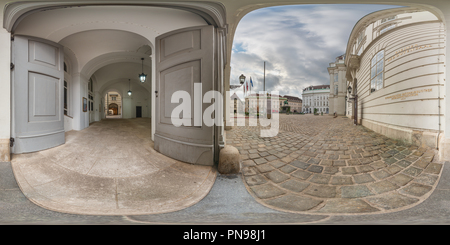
{"points": [[113, 105], [109, 42], [113, 109], [106, 43]]}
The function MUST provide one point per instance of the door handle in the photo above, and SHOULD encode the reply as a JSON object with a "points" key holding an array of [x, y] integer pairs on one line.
{"points": [[156, 92]]}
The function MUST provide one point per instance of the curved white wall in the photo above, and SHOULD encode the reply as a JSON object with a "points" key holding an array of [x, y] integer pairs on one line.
{"points": [[410, 104]]}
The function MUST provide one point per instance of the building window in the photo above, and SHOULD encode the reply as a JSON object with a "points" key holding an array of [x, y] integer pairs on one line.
{"points": [[376, 71], [65, 98], [387, 28], [336, 77], [360, 51], [388, 19], [360, 37], [90, 95], [336, 87]]}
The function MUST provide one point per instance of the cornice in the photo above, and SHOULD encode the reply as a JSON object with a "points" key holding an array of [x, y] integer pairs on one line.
{"points": [[213, 13], [368, 19]]}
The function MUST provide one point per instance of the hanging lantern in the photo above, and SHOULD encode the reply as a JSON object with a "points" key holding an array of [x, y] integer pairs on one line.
{"points": [[129, 90], [242, 79], [142, 76]]}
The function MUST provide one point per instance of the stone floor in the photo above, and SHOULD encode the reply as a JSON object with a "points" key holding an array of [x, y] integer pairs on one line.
{"points": [[326, 165], [110, 168]]}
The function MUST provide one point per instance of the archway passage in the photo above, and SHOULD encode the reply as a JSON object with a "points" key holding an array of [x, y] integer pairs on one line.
{"points": [[107, 54], [94, 159], [113, 109], [113, 105]]}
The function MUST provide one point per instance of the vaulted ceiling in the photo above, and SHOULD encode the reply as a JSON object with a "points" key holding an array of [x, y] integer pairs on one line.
{"points": [[108, 42]]}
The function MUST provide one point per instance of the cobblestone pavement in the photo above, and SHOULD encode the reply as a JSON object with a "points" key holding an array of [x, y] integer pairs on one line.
{"points": [[326, 165]]}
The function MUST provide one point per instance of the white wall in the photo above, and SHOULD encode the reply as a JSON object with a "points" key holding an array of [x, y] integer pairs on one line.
{"points": [[414, 70], [5, 84], [67, 123], [5, 92], [5, 87]]}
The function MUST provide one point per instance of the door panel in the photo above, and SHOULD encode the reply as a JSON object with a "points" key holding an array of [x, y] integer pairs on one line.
{"points": [[43, 97], [178, 77], [180, 43], [184, 60], [38, 94]]}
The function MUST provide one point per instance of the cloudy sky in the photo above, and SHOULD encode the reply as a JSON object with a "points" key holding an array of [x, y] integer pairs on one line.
{"points": [[297, 43]]}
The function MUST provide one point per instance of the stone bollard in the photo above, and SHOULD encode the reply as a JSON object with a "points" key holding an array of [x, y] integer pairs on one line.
{"points": [[229, 160]]}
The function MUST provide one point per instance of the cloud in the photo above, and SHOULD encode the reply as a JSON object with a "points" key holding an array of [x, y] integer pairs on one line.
{"points": [[297, 43]]}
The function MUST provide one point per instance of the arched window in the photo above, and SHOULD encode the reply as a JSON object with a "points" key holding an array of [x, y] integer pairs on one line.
{"points": [[114, 109], [376, 71], [388, 19]]}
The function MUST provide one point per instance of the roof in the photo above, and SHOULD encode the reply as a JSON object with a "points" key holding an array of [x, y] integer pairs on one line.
{"points": [[257, 95], [292, 98], [371, 17], [234, 96], [317, 87]]}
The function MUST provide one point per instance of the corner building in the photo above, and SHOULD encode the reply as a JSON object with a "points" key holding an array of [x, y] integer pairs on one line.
{"points": [[338, 88], [316, 97], [395, 69]]}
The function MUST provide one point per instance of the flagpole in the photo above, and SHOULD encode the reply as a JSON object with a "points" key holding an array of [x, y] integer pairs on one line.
{"points": [[264, 76]]}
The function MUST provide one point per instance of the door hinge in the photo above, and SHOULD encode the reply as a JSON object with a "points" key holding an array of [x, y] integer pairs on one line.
{"points": [[11, 142], [12, 66]]}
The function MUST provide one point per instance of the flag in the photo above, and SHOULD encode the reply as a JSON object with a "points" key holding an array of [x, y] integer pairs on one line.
{"points": [[251, 83], [247, 85]]}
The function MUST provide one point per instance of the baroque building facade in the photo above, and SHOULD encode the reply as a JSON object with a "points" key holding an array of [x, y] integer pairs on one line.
{"points": [[338, 86], [293, 102], [395, 73], [252, 103], [316, 97]]}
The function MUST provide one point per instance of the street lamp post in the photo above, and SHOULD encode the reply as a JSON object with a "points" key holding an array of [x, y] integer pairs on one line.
{"points": [[355, 101], [242, 79]]}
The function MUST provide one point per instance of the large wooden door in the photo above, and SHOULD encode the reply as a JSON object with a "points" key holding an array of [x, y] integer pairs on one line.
{"points": [[184, 61], [38, 94]]}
